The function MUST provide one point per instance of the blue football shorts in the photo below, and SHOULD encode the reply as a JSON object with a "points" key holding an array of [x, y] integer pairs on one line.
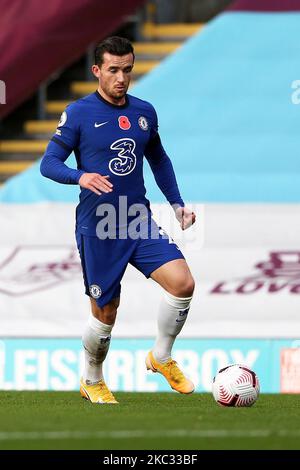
{"points": [[104, 261]]}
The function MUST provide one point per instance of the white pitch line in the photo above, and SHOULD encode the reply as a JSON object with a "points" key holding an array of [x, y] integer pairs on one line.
{"points": [[128, 434]]}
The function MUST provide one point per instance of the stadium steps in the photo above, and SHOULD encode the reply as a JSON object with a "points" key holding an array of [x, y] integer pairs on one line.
{"points": [[158, 42], [23, 146], [173, 31], [39, 128], [55, 107], [19, 155], [155, 50], [7, 168]]}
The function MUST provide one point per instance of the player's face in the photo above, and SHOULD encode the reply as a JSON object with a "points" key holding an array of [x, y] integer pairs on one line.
{"points": [[114, 76]]}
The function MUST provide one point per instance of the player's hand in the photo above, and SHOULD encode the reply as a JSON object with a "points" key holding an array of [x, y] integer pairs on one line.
{"points": [[185, 216], [96, 183]]}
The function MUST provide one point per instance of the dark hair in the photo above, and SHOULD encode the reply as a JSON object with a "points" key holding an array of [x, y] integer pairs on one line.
{"points": [[114, 45]]}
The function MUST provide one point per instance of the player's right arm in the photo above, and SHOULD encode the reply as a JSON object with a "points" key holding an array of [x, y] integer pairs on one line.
{"points": [[59, 148]]}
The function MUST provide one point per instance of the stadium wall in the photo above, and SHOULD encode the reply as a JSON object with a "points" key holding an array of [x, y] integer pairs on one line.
{"points": [[55, 364], [51, 37]]}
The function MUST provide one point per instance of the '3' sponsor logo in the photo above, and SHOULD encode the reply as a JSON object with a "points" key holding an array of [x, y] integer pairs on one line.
{"points": [[125, 162]]}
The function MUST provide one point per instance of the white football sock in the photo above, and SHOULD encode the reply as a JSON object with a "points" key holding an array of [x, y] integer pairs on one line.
{"points": [[96, 340], [171, 318]]}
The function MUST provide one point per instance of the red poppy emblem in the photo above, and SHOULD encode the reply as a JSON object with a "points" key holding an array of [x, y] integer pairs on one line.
{"points": [[124, 123]]}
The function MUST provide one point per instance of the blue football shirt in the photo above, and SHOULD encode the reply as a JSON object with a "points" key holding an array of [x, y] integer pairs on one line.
{"points": [[110, 140]]}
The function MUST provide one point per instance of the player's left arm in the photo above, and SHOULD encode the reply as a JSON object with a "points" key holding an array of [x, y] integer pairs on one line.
{"points": [[165, 178]]}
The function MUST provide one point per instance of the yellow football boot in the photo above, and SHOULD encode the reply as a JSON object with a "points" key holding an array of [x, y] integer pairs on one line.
{"points": [[171, 372], [97, 393]]}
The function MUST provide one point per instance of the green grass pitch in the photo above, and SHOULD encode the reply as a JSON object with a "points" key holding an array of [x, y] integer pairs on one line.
{"points": [[62, 420]]}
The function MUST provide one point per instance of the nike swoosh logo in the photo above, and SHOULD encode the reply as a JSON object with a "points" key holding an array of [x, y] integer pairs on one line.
{"points": [[101, 124]]}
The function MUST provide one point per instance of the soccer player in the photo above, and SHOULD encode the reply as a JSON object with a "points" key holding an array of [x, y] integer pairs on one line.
{"points": [[110, 132]]}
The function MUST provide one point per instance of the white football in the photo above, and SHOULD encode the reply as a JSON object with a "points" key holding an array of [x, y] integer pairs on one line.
{"points": [[235, 385]]}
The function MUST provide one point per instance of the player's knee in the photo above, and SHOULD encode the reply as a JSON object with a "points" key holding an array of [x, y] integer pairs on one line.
{"points": [[106, 314], [184, 287], [109, 316]]}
